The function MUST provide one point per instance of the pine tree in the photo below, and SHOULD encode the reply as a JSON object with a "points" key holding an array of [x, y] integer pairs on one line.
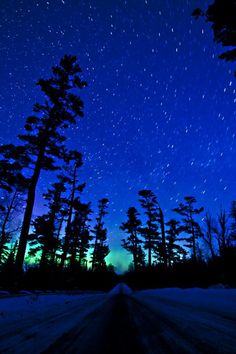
{"points": [[80, 234], [74, 162], [8, 213], [233, 221], [162, 252], [150, 232], [44, 137], [14, 160], [45, 238], [133, 243], [101, 249], [222, 232], [175, 252], [189, 225], [210, 233], [222, 15]]}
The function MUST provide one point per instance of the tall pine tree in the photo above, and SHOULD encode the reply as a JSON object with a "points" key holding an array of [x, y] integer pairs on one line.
{"points": [[74, 162], [189, 224], [45, 238], [80, 235], [101, 248], [150, 231], [133, 243], [175, 252], [45, 131]]}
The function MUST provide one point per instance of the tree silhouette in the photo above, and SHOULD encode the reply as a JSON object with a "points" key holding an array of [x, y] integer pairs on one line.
{"points": [[101, 249], [189, 225], [233, 221], [45, 238], [222, 16], [150, 232], [74, 162], [175, 252], [210, 233], [223, 232], [14, 160], [162, 252], [133, 243], [8, 227], [44, 131], [80, 234]]}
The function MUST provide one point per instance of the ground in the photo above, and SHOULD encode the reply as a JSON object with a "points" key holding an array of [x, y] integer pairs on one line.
{"points": [[122, 321]]}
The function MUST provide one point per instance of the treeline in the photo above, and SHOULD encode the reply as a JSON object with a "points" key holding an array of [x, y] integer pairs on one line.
{"points": [[192, 249], [64, 236], [68, 245]]}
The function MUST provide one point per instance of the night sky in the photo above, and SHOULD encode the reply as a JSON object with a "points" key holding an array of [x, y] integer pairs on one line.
{"points": [[159, 106]]}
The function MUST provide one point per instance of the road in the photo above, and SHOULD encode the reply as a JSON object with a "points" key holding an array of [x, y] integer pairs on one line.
{"points": [[125, 323]]}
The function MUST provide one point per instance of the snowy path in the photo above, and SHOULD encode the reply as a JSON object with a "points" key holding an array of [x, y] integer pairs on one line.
{"points": [[122, 322]]}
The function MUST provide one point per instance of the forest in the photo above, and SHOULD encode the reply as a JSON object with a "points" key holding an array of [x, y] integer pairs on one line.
{"points": [[66, 247]]}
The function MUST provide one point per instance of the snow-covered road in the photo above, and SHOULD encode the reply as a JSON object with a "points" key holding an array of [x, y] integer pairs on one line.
{"points": [[122, 322]]}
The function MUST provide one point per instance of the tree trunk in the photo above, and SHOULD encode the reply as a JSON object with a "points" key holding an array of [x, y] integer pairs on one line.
{"points": [[28, 212], [149, 253], [94, 257], [68, 225], [53, 259], [194, 239], [163, 236], [135, 251]]}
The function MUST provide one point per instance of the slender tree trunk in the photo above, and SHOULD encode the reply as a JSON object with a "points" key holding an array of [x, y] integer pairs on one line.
{"points": [[163, 236], [94, 252], [74, 249], [68, 225], [135, 251], [149, 253], [194, 239], [28, 212], [47, 249], [94, 257], [81, 250], [57, 240]]}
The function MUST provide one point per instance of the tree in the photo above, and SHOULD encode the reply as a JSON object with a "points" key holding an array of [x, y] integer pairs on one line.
{"points": [[150, 232], [44, 137], [101, 249], [210, 233], [189, 225], [162, 245], [222, 15], [222, 232], [74, 162], [80, 234], [8, 216], [133, 243], [45, 238], [175, 252], [233, 221], [14, 159]]}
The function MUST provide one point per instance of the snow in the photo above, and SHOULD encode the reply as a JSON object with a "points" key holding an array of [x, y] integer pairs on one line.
{"points": [[199, 320], [4, 292], [188, 320], [217, 300], [35, 321], [121, 288]]}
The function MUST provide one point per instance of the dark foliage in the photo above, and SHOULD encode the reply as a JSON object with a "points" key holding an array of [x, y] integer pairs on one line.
{"points": [[101, 248], [222, 16]]}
